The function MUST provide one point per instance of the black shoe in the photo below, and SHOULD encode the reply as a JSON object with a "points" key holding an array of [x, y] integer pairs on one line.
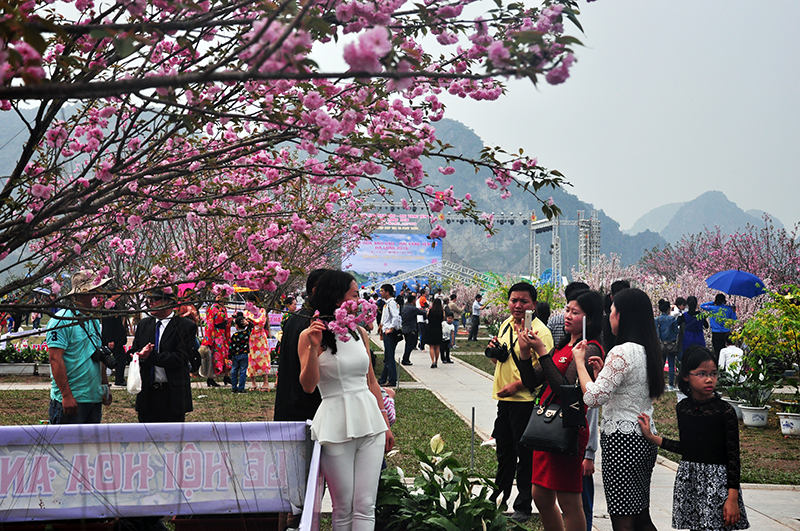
{"points": [[121, 384], [433, 365], [211, 383], [520, 517], [406, 363], [381, 383], [226, 380]]}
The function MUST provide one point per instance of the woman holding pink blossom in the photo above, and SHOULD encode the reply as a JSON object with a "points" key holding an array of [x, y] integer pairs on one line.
{"points": [[351, 423]]}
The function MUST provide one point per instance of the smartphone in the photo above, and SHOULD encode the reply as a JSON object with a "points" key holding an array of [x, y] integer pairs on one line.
{"points": [[528, 319], [584, 328]]}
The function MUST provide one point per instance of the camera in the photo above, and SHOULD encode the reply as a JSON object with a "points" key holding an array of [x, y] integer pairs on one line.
{"points": [[500, 353], [104, 354]]}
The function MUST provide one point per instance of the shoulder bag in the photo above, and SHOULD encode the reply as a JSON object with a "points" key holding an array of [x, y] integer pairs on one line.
{"points": [[546, 431]]}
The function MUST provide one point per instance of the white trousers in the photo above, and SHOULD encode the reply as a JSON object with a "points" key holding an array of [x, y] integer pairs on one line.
{"points": [[352, 470]]}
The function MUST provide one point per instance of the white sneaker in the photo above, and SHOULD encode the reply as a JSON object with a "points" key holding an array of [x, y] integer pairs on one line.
{"points": [[489, 442]]}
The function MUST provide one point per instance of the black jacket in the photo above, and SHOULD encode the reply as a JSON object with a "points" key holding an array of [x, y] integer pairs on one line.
{"points": [[174, 353]]}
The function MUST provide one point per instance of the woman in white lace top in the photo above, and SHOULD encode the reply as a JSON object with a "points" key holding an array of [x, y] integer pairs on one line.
{"points": [[626, 385]]}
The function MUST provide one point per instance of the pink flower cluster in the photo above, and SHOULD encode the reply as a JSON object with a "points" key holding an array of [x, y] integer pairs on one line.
{"points": [[365, 55], [350, 315]]}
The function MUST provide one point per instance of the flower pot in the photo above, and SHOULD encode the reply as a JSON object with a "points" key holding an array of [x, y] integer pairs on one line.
{"points": [[790, 424], [735, 404], [754, 417], [789, 406]]}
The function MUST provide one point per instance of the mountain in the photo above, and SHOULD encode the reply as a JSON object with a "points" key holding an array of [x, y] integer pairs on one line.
{"points": [[707, 211], [655, 220]]}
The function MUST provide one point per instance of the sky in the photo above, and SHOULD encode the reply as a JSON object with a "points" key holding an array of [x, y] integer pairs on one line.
{"points": [[667, 100]]}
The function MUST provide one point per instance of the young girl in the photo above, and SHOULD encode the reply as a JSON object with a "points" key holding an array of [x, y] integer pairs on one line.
{"points": [[707, 494]]}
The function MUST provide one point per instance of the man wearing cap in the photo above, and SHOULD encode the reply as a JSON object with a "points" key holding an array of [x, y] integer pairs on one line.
{"points": [[164, 343], [79, 384]]}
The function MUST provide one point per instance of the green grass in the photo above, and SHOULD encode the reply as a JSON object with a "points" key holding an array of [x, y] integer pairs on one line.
{"points": [[477, 360], [420, 416]]}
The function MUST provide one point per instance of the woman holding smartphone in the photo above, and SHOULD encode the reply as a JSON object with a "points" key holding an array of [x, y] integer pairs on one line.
{"points": [[631, 377], [559, 477]]}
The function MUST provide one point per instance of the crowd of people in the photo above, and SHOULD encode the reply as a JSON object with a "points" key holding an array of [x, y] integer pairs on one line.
{"points": [[615, 358]]}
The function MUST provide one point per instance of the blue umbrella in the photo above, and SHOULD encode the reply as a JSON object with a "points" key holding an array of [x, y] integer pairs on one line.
{"points": [[735, 282]]}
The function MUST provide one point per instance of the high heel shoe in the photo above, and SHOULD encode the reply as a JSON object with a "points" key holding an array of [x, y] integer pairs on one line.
{"points": [[211, 383], [226, 380]]}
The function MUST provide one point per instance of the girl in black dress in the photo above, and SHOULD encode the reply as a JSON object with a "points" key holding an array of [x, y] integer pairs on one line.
{"points": [[707, 494], [433, 332]]}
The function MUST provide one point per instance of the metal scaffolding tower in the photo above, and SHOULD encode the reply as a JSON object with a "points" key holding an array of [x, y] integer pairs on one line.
{"points": [[588, 243]]}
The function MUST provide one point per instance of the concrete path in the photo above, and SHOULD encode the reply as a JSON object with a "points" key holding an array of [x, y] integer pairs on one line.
{"points": [[462, 387]]}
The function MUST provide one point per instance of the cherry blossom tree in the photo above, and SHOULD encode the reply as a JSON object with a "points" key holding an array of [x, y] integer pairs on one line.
{"points": [[204, 117], [771, 254]]}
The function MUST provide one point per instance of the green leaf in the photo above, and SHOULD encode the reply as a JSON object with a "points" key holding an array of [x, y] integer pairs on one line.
{"points": [[125, 47]]}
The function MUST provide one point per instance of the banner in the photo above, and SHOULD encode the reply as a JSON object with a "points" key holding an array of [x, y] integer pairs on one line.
{"points": [[388, 255], [113, 470]]}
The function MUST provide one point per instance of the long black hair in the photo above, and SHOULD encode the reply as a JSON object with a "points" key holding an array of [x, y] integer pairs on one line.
{"points": [[692, 358], [436, 313], [326, 297], [636, 325], [591, 303], [691, 302]]}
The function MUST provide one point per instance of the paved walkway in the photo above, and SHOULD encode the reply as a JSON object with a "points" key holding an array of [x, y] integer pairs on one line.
{"points": [[462, 388]]}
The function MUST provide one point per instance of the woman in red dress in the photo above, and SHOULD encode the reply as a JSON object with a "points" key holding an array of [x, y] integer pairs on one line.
{"points": [[559, 477], [218, 337]]}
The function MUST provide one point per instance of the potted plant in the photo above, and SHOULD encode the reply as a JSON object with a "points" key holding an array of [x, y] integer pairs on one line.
{"points": [[728, 378], [771, 342], [443, 496], [756, 389]]}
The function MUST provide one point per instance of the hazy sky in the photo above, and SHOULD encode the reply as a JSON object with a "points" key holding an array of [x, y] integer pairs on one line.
{"points": [[667, 100]]}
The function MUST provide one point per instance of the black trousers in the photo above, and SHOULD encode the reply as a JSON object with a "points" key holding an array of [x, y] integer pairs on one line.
{"points": [[718, 340], [411, 341], [157, 407], [513, 459]]}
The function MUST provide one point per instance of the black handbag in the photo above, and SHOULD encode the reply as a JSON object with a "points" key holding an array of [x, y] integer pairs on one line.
{"points": [[546, 432], [572, 402]]}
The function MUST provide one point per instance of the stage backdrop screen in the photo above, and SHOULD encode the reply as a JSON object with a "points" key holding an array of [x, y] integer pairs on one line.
{"points": [[388, 255]]}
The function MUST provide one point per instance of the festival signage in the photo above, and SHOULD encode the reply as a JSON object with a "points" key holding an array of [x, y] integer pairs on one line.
{"points": [[115, 470], [388, 254]]}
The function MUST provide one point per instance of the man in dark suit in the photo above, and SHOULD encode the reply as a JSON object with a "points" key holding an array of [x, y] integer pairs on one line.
{"points": [[164, 342]]}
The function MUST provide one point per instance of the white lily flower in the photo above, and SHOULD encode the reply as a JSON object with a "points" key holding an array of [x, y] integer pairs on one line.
{"points": [[437, 443], [425, 466], [437, 460], [439, 480], [416, 492], [457, 504], [448, 474], [442, 501], [393, 453], [483, 524], [401, 473]]}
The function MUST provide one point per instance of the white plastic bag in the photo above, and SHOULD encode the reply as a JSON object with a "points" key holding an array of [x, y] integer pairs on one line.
{"points": [[207, 365], [134, 376]]}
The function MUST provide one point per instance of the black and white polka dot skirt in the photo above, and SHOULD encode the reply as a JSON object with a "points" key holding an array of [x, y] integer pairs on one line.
{"points": [[628, 461]]}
